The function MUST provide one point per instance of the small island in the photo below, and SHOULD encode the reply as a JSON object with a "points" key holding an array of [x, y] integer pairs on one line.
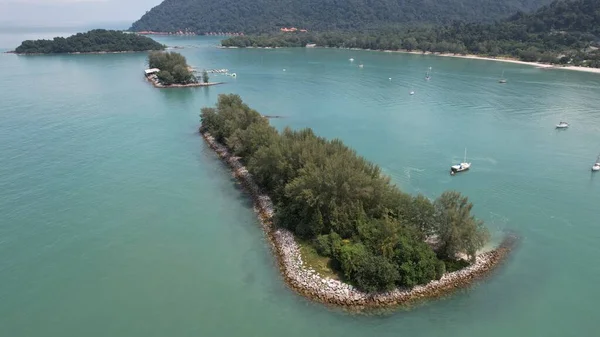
{"points": [[343, 234], [171, 70], [93, 42]]}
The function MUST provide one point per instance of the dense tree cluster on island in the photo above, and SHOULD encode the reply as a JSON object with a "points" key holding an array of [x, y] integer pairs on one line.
{"points": [[173, 68], [94, 41], [562, 32], [344, 206], [260, 16]]}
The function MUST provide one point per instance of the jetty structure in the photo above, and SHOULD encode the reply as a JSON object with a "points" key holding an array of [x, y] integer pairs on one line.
{"points": [[170, 70], [307, 282]]}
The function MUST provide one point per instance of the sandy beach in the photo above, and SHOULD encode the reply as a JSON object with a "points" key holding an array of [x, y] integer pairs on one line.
{"points": [[501, 59]]}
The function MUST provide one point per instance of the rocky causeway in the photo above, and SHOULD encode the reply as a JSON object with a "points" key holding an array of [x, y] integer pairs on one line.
{"points": [[309, 283]]}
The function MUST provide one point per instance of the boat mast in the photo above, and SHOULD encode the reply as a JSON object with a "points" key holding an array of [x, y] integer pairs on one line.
{"points": [[465, 155]]}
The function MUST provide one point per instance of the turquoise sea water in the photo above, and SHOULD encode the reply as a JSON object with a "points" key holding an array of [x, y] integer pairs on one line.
{"points": [[116, 220]]}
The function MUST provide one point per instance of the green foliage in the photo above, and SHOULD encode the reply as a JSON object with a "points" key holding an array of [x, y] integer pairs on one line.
{"points": [[173, 68], [339, 202], [98, 40], [165, 77], [205, 76], [562, 32], [458, 231], [322, 244], [253, 16], [454, 265]]}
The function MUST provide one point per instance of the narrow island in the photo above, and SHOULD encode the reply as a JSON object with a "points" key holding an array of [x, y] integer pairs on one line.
{"points": [[343, 234], [96, 41], [171, 70]]}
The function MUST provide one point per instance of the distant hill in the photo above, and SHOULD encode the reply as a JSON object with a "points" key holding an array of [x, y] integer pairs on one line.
{"points": [[254, 16], [561, 32], [94, 41], [582, 16]]}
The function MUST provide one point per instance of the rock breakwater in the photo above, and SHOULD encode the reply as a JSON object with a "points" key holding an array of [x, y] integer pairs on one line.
{"points": [[309, 283]]}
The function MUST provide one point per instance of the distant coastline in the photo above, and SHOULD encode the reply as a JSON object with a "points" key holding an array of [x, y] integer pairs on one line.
{"points": [[499, 59], [462, 56], [80, 53]]}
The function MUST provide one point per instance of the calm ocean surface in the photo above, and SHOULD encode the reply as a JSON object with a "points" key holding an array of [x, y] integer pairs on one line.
{"points": [[116, 220]]}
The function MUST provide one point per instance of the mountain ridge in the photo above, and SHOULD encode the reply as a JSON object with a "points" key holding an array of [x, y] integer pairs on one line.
{"points": [[259, 16]]}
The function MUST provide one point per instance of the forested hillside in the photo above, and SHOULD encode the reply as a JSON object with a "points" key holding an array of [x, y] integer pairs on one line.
{"points": [[253, 16], [562, 32], [98, 40]]}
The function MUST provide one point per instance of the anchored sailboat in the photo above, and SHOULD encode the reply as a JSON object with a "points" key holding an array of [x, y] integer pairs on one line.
{"points": [[462, 166], [596, 166], [428, 75], [502, 79]]}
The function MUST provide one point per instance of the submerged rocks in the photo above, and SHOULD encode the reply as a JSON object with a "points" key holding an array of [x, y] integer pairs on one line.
{"points": [[309, 283]]}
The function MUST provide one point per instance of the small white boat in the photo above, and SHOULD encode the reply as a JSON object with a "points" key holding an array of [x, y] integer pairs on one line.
{"points": [[562, 125], [412, 92], [351, 59], [428, 76], [596, 166], [460, 167], [502, 79], [360, 65]]}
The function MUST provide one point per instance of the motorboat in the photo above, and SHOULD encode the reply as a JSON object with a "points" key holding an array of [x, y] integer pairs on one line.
{"points": [[460, 167], [351, 59], [596, 166], [562, 125], [412, 92], [361, 65]]}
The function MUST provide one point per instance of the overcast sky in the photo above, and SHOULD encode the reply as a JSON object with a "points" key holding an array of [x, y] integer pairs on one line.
{"points": [[65, 13]]}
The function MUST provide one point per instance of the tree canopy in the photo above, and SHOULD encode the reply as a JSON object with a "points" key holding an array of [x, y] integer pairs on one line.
{"points": [[328, 195], [253, 16], [173, 68], [562, 32], [98, 40]]}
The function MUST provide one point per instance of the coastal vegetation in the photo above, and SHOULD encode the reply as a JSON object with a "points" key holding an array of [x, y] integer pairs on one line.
{"points": [[343, 208], [260, 16], [94, 41], [173, 68], [564, 32]]}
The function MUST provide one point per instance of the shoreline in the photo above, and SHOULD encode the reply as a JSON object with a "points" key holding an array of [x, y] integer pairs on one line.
{"points": [[501, 59], [465, 56], [487, 58], [308, 283], [82, 53], [190, 85]]}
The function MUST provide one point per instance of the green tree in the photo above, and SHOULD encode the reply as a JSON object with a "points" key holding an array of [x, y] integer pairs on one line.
{"points": [[98, 40], [458, 231], [339, 202], [174, 64], [205, 76], [165, 77]]}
